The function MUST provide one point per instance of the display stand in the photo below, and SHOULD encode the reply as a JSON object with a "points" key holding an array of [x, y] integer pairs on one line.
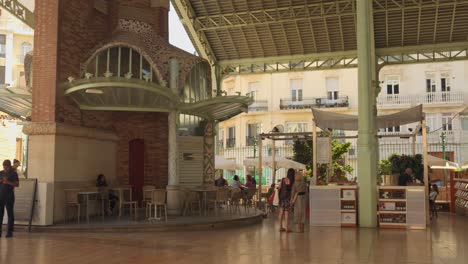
{"points": [[461, 194], [402, 207], [333, 205]]}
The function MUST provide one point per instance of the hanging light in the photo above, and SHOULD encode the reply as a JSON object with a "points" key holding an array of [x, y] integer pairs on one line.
{"points": [[94, 91]]}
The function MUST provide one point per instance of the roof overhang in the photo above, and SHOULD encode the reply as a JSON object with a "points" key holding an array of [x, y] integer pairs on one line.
{"points": [[218, 108], [16, 102]]}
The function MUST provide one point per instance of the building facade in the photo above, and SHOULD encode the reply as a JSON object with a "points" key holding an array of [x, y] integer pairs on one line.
{"points": [[287, 98], [16, 40]]}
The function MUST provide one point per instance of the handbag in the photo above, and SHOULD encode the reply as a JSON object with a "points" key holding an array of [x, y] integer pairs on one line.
{"points": [[275, 198], [271, 198]]}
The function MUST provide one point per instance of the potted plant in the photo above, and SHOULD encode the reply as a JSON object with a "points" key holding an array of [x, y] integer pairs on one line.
{"points": [[385, 172]]}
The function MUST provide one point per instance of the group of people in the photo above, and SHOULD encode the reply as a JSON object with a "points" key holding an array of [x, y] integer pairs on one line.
{"points": [[8, 181], [292, 194], [236, 183]]}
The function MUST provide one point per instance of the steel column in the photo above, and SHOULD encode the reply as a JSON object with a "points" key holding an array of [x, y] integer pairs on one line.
{"points": [[367, 140]]}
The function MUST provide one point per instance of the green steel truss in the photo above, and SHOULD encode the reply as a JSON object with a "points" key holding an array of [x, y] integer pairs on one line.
{"points": [[347, 59], [19, 11]]}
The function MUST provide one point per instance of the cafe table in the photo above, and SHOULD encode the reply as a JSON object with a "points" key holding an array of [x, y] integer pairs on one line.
{"points": [[86, 195], [204, 193]]}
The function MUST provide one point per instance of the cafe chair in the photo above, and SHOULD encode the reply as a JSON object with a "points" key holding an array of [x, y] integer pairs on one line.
{"points": [[234, 201], [72, 201], [158, 205], [221, 198], [148, 193], [125, 199], [192, 200], [249, 198]]}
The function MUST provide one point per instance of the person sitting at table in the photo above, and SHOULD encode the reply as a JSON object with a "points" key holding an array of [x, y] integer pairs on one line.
{"points": [[250, 182], [101, 184], [221, 182], [236, 183]]}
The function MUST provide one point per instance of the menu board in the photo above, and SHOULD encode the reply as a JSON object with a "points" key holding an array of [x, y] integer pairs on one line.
{"points": [[323, 150], [25, 196]]}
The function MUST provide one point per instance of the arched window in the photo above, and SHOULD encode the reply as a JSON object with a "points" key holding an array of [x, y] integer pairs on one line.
{"points": [[25, 48]]}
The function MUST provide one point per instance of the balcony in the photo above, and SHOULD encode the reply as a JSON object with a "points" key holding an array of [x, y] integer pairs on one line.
{"points": [[230, 143], [220, 143], [436, 98], [318, 102], [259, 106]]}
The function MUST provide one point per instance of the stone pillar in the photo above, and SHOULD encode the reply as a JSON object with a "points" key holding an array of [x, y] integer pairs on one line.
{"points": [[209, 154], [174, 201], [367, 141]]}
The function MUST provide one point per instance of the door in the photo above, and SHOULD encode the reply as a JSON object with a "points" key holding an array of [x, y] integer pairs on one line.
{"points": [[136, 168]]}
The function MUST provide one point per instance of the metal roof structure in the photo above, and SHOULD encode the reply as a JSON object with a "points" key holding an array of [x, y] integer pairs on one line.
{"points": [[16, 102], [249, 36]]}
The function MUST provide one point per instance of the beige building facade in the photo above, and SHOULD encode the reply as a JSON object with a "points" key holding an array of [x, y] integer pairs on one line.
{"points": [[287, 98]]}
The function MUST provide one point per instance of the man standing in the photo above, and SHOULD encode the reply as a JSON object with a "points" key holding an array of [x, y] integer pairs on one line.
{"points": [[8, 181], [221, 182], [17, 168]]}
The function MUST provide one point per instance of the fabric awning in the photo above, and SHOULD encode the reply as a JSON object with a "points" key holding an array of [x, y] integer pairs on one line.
{"points": [[326, 119], [438, 163], [226, 164], [281, 162]]}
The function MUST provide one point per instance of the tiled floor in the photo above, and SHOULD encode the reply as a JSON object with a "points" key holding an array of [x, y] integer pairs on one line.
{"points": [[445, 243]]}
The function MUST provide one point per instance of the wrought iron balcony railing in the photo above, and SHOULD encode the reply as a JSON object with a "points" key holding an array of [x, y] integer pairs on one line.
{"points": [[259, 106], [319, 102], [230, 142]]}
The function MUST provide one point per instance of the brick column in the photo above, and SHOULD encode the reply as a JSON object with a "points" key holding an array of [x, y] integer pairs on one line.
{"points": [[46, 16]]}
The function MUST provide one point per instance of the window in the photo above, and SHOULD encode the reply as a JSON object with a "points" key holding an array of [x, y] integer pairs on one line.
{"points": [[231, 140], [464, 123], [430, 83], [445, 82], [2, 46], [393, 129], [221, 137], [296, 127], [254, 88], [25, 48], [296, 90], [332, 88], [252, 131], [431, 122], [393, 85], [447, 122]]}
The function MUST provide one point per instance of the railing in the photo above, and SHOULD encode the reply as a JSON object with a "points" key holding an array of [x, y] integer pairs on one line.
{"points": [[319, 102], [258, 106], [249, 141], [220, 143], [230, 143], [426, 98]]}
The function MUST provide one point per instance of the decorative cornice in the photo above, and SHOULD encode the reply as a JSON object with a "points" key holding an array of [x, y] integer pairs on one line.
{"points": [[58, 129]]}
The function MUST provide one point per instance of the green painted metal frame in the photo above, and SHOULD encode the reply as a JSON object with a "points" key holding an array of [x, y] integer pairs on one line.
{"points": [[346, 59], [103, 82], [19, 10]]}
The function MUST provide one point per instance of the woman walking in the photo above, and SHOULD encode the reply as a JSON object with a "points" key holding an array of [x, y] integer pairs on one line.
{"points": [[285, 191], [299, 202]]}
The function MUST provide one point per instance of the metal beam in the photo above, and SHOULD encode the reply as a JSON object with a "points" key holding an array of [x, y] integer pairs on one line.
{"points": [[19, 11], [348, 59], [199, 40]]}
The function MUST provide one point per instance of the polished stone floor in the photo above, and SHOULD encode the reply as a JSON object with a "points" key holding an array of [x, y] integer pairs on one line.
{"points": [[445, 243]]}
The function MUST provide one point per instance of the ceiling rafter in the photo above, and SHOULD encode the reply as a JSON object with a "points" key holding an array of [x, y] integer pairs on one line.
{"points": [[19, 11], [272, 15], [434, 37], [452, 24]]}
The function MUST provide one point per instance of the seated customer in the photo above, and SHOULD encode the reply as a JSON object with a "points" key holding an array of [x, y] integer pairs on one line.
{"points": [[250, 182], [220, 182], [101, 184], [236, 183]]}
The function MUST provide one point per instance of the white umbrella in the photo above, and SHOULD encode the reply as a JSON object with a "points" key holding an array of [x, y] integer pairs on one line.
{"points": [[281, 162], [464, 165], [226, 164], [438, 163]]}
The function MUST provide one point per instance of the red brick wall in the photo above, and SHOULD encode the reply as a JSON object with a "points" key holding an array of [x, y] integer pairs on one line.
{"points": [[46, 16], [152, 128]]}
